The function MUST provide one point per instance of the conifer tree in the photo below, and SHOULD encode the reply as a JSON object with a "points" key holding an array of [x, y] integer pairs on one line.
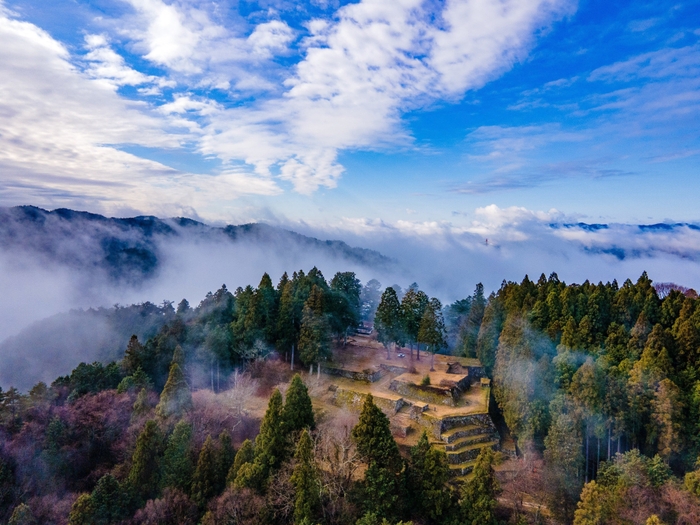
{"points": [[109, 503], [387, 320], [144, 476], [479, 496], [82, 512], [271, 442], [375, 444], [133, 356], [306, 497], [314, 336], [224, 460], [288, 321], [245, 454], [177, 461], [176, 398], [428, 474], [204, 481], [22, 515], [298, 412], [432, 329], [412, 307], [141, 405], [590, 509]]}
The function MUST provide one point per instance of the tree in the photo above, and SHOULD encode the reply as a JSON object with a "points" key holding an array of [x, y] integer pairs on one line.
{"points": [[479, 496], [345, 289], [175, 399], [173, 508], [432, 329], [387, 320], [314, 338], [427, 475], [82, 512], [133, 355], [204, 481], [412, 307], [270, 445], [109, 503], [384, 476], [369, 298], [470, 329], [224, 459], [177, 460], [144, 476], [245, 454], [298, 412], [22, 515], [590, 509], [288, 321], [306, 498]]}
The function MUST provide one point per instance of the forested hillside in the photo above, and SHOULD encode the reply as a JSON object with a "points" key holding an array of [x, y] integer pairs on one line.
{"points": [[599, 386]]}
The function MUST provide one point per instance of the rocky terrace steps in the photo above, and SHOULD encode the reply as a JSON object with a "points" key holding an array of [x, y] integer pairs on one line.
{"points": [[463, 438]]}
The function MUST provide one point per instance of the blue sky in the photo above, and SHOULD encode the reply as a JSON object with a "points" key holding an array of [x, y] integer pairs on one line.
{"points": [[353, 116]]}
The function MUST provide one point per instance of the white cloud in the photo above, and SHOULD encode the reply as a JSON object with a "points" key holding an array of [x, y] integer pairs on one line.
{"points": [[58, 127]]}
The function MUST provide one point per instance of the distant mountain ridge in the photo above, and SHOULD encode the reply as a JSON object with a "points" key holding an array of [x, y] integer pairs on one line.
{"points": [[129, 248]]}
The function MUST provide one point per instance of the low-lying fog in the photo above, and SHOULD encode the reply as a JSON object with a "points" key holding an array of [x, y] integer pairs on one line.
{"points": [[444, 261]]}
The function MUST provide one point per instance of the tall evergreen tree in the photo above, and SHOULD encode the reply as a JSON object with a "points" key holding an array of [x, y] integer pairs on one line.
{"points": [[432, 329], [144, 476], [245, 454], [298, 412], [314, 337], [411, 311], [387, 320], [271, 442], [427, 475], [304, 480], [384, 481], [22, 515], [108, 500], [178, 466], [175, 399], [479, 495], [224, 459], [204, 481]]}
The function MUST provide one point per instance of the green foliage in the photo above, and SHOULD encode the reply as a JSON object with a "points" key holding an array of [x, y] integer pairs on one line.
{"points": [[135, 382], [109, 501], [425, 381], [205, 479], [314, 336], [479, 494], [175, 399], [271, 445], [427, 478], [92, 378], [304, 480], [245, 454], [178, 466], [298, 412], [144, 476], [383, 484], [591, 510], [432, 327], [22, 515], [83, 511], [224, 459], [387, 320]]}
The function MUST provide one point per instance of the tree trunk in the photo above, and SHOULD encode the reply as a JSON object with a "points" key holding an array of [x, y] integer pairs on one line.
{"points": [[311, 369], [212, 375], [218, 376], [418, 352], [609, 438], [388, 356], [292, 365], [597, 459], [345, 339], [318, 370], [432, 361]]}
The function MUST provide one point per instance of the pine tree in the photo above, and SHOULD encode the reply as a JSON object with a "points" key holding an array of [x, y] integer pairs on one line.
{"points": [[411, 311], [224, 460], [144, 476], [383, 481], [22, 515], [479, 496], [387, 320], [108, 501], [83, 511], [133, 356], [288, 321], [245, 454], [590, 509], [306, 497], [428, 473], [298, 412], [432, 329], [271, 442], [141, 405], [177, 460], [204, 481], [175, 399], [314, 336]]}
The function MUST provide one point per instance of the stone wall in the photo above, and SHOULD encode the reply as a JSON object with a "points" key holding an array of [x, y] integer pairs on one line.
{"points": [[367, 376], [428, 393]]}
